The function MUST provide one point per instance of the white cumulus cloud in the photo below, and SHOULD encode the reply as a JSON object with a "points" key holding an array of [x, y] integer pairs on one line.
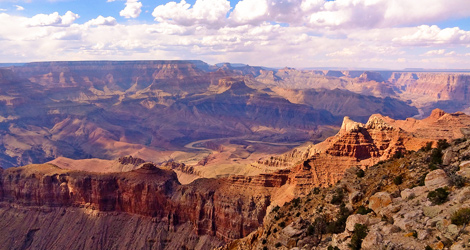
{"points": [[207, 12], [247, 11], [132, 10], [433, 35], [53, 19], [19, 8], [101, 20]]}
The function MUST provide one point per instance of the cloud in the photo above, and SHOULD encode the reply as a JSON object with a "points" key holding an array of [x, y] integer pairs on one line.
{"points": [[347, 14], [250, 11], [132, 9], [53, 19], [100, 20], [3, 10], [425, 35], [19, 8], [435, 52], [207, 12]]}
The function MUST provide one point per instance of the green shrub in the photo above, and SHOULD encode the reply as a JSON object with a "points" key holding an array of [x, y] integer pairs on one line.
{"points": [[263, 241], [398, 155], [442, 144], [337, 226], [282, 224], [427, 147], [432, 166], [295, 202], [275, 209], [436, 156], [360, 173], [316, 190], [461, 217], [265, 248], [398, 180], [428, 248], [415, 234], [457, 180], [316, 230], [363, 210], [438, 196], [333, 248], [337, 197], [360, 232], [278, 245]]}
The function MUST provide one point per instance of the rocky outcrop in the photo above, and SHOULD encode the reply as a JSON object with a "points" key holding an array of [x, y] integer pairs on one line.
{"points": [[436, 179], [129, 160], [379, 201], [222, 208], [363, 145], [325, 218]]}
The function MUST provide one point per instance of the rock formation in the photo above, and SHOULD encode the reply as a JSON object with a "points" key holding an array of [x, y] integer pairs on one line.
{"points": [[363, 145], [395, 207], [221, 209]]}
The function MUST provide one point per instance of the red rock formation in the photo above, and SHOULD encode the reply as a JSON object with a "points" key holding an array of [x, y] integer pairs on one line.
{"points": [[362, 145], [225, 208]]}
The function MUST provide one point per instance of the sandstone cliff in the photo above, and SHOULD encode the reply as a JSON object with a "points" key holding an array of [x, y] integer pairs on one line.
{"points": [[218, 210], [363, 145]]}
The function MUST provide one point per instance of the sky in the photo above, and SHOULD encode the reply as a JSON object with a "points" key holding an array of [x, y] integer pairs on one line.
{"points": [[382, 34]]}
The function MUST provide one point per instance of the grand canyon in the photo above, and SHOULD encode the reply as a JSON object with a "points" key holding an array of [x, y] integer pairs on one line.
{"points": [[177, 154]]}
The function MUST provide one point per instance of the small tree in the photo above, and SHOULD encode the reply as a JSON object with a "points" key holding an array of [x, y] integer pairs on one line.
{"points": [[360, 232]]}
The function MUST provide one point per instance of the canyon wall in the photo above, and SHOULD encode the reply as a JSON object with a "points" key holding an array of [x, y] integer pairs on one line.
{"points": [[221, 209]]}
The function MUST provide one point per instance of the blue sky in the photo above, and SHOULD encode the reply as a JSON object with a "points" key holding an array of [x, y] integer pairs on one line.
{"points": [[391, 34]]}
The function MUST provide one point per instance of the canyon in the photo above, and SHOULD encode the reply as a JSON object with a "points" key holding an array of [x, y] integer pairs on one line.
{"points": [[187, 155], [208, 212]]}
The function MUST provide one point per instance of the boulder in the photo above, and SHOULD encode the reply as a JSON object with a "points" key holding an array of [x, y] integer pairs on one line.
{"points": [[436, 179], [356, 219], [355, 196], [372, 241], [379, 200], [409, 221], [448, 157], [432, 211], [407, 194], [463, 195], [464, 169], [390, 229], [389, 211]]}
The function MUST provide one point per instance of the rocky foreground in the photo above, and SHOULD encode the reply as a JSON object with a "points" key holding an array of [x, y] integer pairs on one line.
{"points": [[420, 201]]}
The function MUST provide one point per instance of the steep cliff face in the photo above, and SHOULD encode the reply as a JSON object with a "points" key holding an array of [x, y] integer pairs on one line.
{"points": [[440, 86], [222, 208]]}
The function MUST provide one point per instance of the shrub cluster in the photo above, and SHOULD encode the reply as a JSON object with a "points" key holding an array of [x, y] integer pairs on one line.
{"points": [[438, 196], [360, 232], [337, 197], [461, 217], [363, 210]]}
